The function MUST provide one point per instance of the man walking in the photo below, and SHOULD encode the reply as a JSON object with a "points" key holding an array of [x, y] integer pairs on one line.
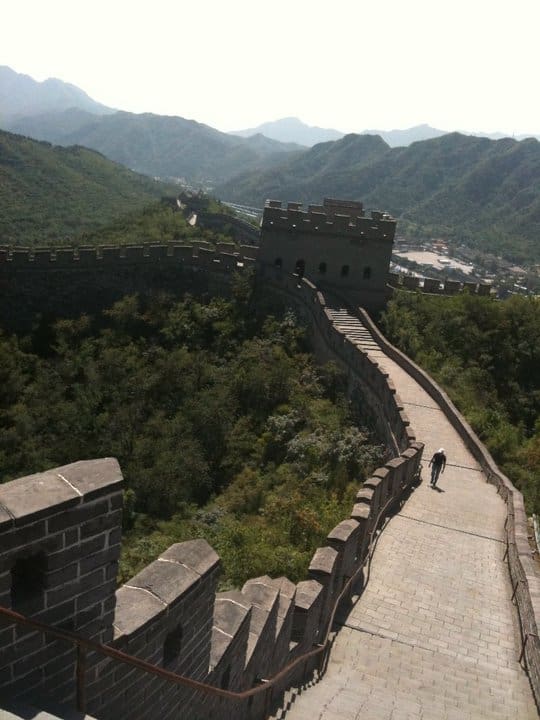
{"points": [[438, 463]]}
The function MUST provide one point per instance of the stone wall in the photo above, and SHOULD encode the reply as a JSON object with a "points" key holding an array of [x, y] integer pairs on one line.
{"points": [[65, 282], [170, 614], [240, 230], [368, 383], [60, 541], [59, 548], [434, 286]]}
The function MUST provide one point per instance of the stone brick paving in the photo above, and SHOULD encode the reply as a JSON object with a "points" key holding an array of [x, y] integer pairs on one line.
{"points": [[434, 635]]}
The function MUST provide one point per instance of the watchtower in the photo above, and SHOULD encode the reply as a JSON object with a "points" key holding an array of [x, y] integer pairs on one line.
{"points": [[333, 244]]}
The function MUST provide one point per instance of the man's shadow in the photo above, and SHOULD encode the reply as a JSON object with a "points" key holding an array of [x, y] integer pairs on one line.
{"points": [[438, 489]]}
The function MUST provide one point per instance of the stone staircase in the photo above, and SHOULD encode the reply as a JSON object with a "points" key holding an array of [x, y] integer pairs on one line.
{"points": [[354, 329]]}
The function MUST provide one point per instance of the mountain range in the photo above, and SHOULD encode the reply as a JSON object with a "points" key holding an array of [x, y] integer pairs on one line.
{"points": [[470, 189], [292, 129], [158, 145], [480, 192]]}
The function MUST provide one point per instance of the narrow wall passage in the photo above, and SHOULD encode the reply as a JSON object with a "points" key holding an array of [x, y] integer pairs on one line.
{"points": [[434, 634]]}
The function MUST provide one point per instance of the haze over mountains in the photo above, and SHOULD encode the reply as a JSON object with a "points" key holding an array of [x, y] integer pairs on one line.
{"points": [[157, 145], [62, 113], [475, 190], [22, 96], [292, 129]]}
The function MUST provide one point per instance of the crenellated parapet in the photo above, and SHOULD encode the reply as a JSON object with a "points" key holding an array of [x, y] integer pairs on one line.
{"points": [[334, 217], [433, 286], [198, 253]]}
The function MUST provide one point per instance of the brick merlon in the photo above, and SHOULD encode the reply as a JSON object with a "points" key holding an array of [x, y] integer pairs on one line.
{"points": [[230, 611], [323, 561], [93, 477], [197, 555], [135, 609], [307, 593], [361, 511], [168, 581], [261, 595], [344, 530], [38, 495]]}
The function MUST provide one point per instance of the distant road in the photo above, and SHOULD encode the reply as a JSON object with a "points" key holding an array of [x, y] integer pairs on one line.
{"points": [[245, 209]]}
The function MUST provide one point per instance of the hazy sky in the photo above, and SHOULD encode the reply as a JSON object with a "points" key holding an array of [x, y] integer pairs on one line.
{"points": [[348, 64]]}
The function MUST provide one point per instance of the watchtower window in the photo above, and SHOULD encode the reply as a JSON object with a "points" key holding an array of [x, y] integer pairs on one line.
{"points": [[344, 270], [322, 268], [28, 584], [278, 262], [172, 646], [367, 273]]}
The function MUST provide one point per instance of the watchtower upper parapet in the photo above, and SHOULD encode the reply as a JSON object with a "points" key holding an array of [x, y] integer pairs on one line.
{"points": [[333, 217]]}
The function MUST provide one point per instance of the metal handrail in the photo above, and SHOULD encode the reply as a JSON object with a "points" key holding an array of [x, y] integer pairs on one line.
{"points": [[84, 645]]}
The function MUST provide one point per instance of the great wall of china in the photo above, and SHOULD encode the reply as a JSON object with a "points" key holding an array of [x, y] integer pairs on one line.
{"points": [[235, 652]]}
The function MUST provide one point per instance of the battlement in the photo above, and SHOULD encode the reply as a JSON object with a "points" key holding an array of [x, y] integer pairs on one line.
{"points": [[198, 253], [433, 286], [59, 550], [334, 217]]}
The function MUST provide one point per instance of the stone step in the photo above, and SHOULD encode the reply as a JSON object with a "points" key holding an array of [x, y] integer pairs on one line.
{"points": [[361, 336]]}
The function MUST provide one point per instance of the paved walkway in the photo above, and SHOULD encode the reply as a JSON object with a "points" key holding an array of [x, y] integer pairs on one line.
{"points": [[434, 635]]}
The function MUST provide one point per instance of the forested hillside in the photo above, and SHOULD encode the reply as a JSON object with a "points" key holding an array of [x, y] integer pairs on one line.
{"points": [[482, 192], [223, 426], [486, 354], [326, 170], [159, 223], [50, 195]]}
